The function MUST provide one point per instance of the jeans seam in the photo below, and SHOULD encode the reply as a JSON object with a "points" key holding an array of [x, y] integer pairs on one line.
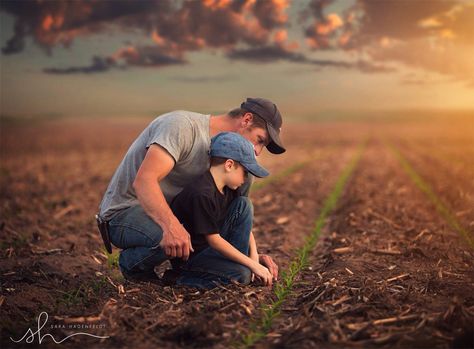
{"points": [[136, 228], [201, 270], [143, 260]]}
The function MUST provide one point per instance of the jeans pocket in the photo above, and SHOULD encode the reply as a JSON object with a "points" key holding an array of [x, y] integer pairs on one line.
{"points": [[115, 234]]}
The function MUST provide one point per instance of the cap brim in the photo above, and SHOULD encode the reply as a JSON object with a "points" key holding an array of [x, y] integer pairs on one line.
{"points": [[275, 146], [255, 169]]}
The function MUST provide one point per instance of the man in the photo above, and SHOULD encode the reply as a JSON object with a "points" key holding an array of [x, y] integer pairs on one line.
{"points": [[170, 153]]}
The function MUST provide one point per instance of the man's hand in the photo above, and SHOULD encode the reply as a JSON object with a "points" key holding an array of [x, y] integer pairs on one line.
{"points": [[176, 242], [267, 261]]}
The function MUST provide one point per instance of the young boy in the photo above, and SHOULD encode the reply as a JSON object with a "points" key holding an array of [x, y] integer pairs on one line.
{"points": [[219, 219]]}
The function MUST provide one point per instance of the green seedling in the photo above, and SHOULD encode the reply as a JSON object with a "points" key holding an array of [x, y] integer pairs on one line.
{"points": [[18, 242], [425, 187], [283, 288], [112, 259]]}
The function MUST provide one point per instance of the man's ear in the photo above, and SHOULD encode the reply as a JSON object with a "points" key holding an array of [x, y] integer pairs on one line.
{"points": [[247, 119]]}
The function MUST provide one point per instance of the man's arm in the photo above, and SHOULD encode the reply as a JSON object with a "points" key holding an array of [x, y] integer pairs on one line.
{"points": [[176, 241], [227, 250]]}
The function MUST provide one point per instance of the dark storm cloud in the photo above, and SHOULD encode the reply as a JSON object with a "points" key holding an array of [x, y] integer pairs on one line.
{"points": [[316, 8], [174, 27], [146, 56], [324, 27], [266, 54], [275, 53], [99, 65], [186, 25], [51, 23]]}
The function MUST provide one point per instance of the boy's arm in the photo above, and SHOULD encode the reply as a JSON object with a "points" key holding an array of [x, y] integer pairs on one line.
{"points": [[264, 259], [253, 253], [227, 250]]}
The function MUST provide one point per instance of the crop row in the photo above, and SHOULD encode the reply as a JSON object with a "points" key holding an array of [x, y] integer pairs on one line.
{"points": [[282, 289]]}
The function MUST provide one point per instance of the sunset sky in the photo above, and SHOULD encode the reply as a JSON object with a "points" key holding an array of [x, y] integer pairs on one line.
{"points": [[127, 58]]}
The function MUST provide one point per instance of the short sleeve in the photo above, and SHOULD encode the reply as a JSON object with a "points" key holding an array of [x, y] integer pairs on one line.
{"points": [[203, 212], [173, 132]]}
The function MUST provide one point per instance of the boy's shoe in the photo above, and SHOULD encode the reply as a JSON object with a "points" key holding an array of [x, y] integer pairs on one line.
{"points": [[146, 276], [170, 276]]}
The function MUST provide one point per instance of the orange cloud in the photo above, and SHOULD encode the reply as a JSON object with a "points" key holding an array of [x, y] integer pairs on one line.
{"points": [[128, 52], [344, 38], [159, 40], [431, 22], [280, 36], [216, 4], [333, 22], [47, 22]]}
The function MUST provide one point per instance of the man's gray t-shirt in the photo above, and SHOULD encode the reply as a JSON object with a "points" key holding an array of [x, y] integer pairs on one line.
{"points": [[184, 135]]}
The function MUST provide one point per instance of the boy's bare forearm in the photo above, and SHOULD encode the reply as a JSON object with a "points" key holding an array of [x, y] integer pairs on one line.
{"points": [[253, 252], [230, 252], [227, 250]]}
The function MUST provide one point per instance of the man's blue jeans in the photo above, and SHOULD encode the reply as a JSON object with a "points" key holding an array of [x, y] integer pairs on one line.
{"points": [[139, 237]]}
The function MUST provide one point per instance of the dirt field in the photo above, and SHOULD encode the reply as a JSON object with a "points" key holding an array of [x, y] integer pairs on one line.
{"points": [[393, 265]]}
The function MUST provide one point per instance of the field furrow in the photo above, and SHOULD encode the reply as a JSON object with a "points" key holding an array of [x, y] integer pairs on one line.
{"points": [[455, 193], [390, 271]]}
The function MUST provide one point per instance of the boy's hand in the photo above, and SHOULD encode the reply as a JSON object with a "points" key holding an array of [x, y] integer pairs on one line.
{"points": [[267, 261], [263, 273]]}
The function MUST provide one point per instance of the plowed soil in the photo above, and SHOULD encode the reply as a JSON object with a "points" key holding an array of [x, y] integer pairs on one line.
{"points": [[387, 271]]}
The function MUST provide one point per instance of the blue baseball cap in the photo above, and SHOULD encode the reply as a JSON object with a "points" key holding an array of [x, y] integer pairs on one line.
{"points": [[231, 145]]}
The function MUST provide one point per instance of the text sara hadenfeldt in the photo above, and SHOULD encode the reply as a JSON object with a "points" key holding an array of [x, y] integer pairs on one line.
{"points": [[30, 335]]}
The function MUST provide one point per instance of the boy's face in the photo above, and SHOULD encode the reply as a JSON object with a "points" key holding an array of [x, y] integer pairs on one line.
{"points": [[257, 136], [235, 175]]}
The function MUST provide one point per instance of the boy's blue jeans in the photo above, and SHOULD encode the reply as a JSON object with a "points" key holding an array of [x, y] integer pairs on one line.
{"points": [[139, 237]]}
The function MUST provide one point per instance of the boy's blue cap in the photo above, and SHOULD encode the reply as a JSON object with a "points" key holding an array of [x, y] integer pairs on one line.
{"points": [[231, 145]]}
